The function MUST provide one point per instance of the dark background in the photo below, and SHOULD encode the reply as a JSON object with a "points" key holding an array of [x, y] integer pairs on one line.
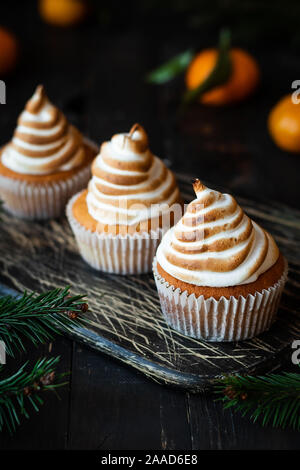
{"points": [[95, 73]]}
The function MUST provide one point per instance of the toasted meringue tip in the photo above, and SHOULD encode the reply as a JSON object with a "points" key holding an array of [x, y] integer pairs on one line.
{"points": [[35, 102], [136, 127], [140, 129], [40, 90], [136, 139], [198, 186]]}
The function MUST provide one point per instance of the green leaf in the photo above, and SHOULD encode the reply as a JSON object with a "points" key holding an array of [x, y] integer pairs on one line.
{"points": [[220, 73], [171, 69]]}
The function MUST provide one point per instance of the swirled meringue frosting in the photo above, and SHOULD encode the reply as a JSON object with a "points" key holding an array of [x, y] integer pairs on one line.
{"points": [[43, 142], [216, 244], [130, 185]]}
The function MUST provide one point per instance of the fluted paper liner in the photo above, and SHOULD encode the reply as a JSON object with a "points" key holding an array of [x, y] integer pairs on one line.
{"points": [[132, 254], [232, 319], [42, 201]]}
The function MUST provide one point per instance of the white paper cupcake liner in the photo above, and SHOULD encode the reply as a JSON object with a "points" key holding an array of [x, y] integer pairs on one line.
{"points": [[132, 254], [42, 201], [231, 319]]}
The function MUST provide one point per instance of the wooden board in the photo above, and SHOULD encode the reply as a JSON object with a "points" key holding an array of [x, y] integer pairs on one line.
{"points": [[126, 320]]}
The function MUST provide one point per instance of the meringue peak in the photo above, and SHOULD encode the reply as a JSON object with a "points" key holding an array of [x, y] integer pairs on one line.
{"points": [[43, 142], [215, 243], [37, 101], [136, 140], [198, 186], [128, 180]]}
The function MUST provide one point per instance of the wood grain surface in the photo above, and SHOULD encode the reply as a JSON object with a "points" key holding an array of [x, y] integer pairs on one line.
{"points": [[125, 316]]}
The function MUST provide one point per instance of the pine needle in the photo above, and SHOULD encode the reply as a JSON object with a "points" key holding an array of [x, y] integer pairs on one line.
{"points": [[274, 399], [38, 316], [21, 391]]}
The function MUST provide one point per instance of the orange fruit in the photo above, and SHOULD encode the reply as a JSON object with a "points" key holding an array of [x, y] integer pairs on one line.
{"points": [[62, 12], [284, 124], [242, 82], [8, 51]]}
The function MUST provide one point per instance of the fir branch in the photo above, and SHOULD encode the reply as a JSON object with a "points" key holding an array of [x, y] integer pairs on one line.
{"points": [[22, 390], [38, 316], [273, 398]]}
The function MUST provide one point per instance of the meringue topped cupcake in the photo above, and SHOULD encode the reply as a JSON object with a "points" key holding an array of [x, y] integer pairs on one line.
{"points": [[219, 274], [130, 201], [45, 163]]}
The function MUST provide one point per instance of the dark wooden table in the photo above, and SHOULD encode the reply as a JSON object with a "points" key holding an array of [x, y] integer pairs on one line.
{"points": [[95, 74]]}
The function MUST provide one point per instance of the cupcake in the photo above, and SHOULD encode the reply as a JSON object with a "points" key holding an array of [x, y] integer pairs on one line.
{"points": [[219, 275], [45, 163], [131, 200]]}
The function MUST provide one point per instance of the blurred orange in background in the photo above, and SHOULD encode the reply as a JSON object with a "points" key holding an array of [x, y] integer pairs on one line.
{"points": [[8, 51], [63, 12], [242, 82], [284, 124]]}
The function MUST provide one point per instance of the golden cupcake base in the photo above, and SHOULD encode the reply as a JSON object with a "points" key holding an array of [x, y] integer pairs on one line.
{"points": [[118, 254], [223, 319]]}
